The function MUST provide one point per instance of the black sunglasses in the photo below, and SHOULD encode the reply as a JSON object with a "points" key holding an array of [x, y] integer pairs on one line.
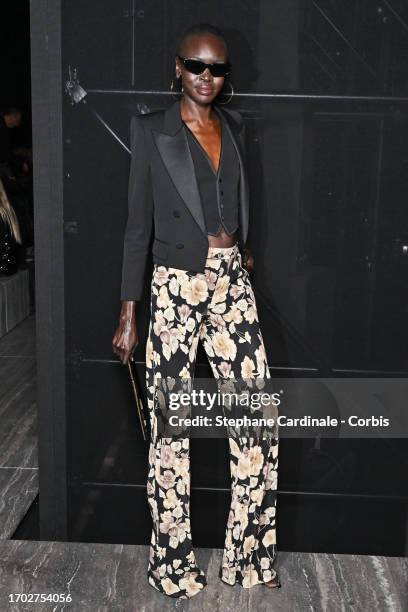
{"points": [[197, 67]]}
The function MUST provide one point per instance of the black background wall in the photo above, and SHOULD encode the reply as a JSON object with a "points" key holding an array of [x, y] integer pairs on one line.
{"points": [[15, 66], [323, 91]]}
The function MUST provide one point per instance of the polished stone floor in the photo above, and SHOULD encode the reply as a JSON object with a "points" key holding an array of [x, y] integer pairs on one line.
{"points": [[104, 577], [18, 425]]}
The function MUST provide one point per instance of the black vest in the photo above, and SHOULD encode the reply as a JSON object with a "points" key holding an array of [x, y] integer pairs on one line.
{"points": [[218, 190]]}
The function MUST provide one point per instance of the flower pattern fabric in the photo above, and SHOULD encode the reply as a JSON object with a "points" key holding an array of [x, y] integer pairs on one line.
{"points": [[217, 307]]}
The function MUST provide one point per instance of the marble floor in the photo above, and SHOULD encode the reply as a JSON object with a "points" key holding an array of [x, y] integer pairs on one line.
{"points": [[107, 577], [18, 425]]}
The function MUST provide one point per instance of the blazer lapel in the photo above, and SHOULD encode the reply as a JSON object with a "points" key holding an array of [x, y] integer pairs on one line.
{"points": [[243, 183], [173, 147], [175, 152]]}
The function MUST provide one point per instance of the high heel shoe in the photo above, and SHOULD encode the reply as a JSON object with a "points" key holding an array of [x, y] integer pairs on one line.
{"points": [[274, 583], [271, 584]]}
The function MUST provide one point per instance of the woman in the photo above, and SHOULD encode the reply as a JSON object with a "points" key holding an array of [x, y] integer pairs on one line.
{"points": [[188, 174], [10, 236]]}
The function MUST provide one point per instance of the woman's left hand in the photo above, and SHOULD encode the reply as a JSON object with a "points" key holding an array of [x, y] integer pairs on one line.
{"points": [[248, 260]]}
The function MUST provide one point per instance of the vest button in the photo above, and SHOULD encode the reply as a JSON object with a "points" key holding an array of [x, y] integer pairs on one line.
{"points": [[176, 213], [179, 245], [221, 192], [220, 180]]}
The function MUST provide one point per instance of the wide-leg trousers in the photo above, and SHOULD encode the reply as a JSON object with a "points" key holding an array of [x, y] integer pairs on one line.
{"points": [[217, 307]]}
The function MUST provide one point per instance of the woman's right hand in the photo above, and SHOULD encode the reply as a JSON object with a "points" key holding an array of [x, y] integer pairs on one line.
{"points": [[126, 339]]}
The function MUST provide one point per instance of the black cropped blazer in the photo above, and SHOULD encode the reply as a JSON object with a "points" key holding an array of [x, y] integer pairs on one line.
{"points": [[163, 190]]}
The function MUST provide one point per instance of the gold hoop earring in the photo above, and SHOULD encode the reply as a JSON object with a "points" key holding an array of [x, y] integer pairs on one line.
{"points": [[172, 85], [230, 98]]}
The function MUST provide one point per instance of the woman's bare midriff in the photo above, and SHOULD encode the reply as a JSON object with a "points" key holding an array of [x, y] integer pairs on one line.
{"points": [[222, 239]]}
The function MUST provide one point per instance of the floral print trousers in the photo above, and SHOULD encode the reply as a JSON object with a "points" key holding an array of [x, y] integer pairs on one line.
{"points": [[217, 307]]}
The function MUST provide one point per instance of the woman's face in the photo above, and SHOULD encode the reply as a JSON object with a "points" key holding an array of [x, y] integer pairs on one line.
{"points": [[204, 87]]}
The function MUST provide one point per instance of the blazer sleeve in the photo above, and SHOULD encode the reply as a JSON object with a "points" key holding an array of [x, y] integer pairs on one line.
{"points": [[140, 215]]}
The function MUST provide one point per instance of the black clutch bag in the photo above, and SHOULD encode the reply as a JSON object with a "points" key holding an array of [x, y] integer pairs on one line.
{"points": [[138, 398]]}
